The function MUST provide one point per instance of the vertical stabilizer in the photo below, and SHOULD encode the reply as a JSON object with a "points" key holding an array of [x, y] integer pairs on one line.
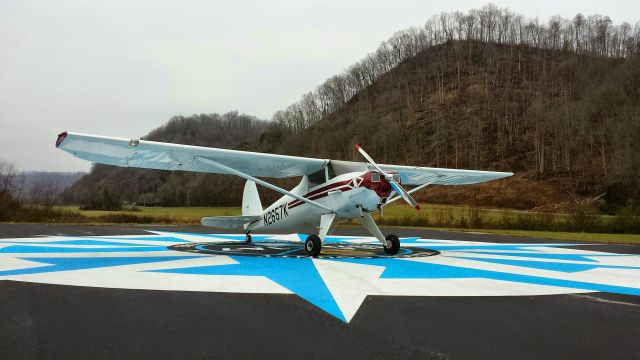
{"points": [[251, 204]]}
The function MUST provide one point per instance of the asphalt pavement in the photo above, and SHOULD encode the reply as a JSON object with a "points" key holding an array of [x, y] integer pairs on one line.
{"points": [[52, 321]]}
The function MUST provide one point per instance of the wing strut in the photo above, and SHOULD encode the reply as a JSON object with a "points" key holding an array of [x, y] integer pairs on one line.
{"points": [[413, 190], [259, 182]]}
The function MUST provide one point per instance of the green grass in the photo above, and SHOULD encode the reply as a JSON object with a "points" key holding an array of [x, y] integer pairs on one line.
{"points": [[186, 213], [391, 211], [432, 211], [557, 235], [394, 214], [394, 210]]}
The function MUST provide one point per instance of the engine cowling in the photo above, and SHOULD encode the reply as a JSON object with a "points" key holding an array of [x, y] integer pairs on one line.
{"points": [[372, 180]]}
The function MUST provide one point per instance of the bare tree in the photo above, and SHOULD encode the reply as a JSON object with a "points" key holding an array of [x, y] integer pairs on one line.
{"points": [[10, 190], [10, 180], [44, 193]]}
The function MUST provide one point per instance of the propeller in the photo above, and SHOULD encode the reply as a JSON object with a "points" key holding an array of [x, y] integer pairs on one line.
{"points": [[398, 189]]}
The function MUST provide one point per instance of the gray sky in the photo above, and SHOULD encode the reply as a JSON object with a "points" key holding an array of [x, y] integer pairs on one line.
{"points": [[122, 68]]}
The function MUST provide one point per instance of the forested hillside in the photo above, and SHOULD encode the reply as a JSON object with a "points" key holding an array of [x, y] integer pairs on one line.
{"points": [[570, 120], [558, 103]]}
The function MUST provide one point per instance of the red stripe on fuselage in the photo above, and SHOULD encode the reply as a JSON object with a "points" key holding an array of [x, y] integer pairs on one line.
{"points": [[381, 187], [318, 193]]}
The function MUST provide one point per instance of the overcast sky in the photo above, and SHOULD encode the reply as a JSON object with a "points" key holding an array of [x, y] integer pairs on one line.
{"points": [[122, 68]]}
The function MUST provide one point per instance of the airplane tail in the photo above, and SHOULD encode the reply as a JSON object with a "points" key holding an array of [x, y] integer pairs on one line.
{"points": [[229, 222], [251, 211], [251, 205]]}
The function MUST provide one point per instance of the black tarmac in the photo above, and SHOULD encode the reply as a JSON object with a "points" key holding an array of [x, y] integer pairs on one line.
{"points": [[39, 321]]}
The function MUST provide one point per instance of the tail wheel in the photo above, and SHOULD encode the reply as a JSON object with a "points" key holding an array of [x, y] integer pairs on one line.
{"points": [[393, 244], [248, 238], [313, 245]]}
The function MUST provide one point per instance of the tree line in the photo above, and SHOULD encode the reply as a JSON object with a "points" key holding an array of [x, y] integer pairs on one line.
{"points": [[570, 120], [593, 35], [18, 188]]}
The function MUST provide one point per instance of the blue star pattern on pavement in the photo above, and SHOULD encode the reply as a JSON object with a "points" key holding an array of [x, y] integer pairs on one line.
{"points": [[335, 285], [299, 275]]}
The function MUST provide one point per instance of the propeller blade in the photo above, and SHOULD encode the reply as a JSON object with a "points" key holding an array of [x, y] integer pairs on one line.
{"points": [[405, 195], [370, 160], [398, 189]]}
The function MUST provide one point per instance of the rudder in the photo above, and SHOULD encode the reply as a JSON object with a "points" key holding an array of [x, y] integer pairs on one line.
{"points": [[251, 205]]}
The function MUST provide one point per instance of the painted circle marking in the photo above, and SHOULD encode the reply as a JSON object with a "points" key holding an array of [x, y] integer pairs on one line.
{"points": [[282, 249]]}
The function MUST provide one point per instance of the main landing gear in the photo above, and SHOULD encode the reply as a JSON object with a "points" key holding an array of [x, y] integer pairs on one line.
{"points": [[392, 245], [313, 245], [247, 238]]}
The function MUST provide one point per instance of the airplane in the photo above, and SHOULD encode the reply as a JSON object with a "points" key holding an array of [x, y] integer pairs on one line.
{"points": [[330, 191]]}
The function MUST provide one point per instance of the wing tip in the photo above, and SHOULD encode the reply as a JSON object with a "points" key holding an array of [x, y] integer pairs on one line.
{"points": [[357, 146], [61, 137]]}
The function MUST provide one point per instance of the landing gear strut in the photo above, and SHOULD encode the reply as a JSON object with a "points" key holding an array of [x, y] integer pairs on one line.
{"points": [[313, 245], [391, 243], [248, 238]]}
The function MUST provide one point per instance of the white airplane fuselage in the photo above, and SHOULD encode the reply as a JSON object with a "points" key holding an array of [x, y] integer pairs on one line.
{"points": [[347, 195]]}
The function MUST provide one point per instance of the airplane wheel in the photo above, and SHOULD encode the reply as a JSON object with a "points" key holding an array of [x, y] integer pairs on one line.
{"points": [[313, 245], [248, 239], [394, 246]]}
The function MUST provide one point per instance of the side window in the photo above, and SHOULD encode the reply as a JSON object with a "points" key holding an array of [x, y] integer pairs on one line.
{"points": [[396, 178], [375, 177], [332, 173], [316, 178]]}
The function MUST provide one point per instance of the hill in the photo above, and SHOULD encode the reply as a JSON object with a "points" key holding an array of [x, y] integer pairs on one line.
{"points": [[45, 187], [60, 180], [566, 124], [558, 103]]}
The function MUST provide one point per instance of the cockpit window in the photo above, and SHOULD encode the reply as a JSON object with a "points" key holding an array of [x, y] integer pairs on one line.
{"points": [[396, 178], [375, 177], [317, 178], [332, 172]]}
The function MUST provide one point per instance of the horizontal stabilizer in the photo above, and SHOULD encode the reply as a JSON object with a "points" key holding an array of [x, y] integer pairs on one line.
{"points": [[228, 222]]}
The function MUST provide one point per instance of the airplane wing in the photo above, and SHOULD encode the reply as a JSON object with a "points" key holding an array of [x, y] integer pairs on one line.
{"points": [[164, 156], [414, 175]]}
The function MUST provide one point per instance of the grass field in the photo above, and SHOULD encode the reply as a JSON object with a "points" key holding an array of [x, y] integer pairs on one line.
{"points": [[443, 217], [560, 235], [430, 212], [190, 213]]}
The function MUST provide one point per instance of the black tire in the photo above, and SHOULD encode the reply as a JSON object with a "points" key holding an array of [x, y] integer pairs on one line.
{"points": [[313, 245], [248, 239], [394, 246]]}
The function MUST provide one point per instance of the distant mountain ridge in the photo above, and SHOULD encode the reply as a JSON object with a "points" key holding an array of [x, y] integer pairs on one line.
{"points": [[62, 180]]}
